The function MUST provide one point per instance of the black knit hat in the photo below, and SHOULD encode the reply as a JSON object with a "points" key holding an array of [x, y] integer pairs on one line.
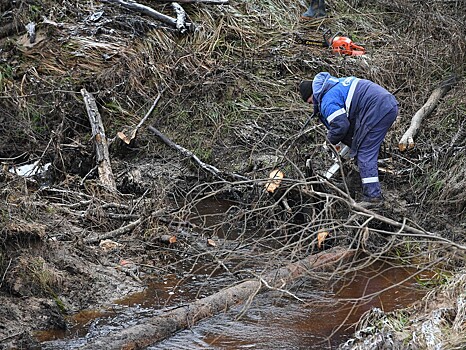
{"points": [[305, 89]]}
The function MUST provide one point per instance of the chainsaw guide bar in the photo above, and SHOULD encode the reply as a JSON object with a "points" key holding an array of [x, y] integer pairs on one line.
{"points": [[340, 45]]}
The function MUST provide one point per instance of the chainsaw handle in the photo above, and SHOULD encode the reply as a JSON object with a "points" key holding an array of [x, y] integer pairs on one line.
{"points": [[328, 37]]}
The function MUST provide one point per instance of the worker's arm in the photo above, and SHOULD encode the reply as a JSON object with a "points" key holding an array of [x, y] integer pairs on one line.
{"points": [[336, 121]]}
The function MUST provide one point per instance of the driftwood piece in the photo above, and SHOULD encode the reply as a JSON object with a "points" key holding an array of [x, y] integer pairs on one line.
{"points": [[161, 327], [101, 145], [132, 134], [407, 140], [146, 10], [210, 168]]}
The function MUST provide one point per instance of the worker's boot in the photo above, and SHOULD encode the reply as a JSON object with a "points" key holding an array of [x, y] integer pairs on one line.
{"points": [[371, 191], [316, 10]]}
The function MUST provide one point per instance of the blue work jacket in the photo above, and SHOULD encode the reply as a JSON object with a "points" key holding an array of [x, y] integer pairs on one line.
{"points": [[349, 107]]}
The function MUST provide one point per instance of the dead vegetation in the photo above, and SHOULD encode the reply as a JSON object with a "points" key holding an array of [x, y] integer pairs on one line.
{"points": [[230, 103]]}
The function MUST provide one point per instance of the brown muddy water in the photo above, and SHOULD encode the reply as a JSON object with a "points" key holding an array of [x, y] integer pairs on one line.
{"points": [[320, 319]]}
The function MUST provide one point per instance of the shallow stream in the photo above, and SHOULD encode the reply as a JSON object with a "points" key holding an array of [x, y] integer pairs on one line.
{"points": [[320, 319]]}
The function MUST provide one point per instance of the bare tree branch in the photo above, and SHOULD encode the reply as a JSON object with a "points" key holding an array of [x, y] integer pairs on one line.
{"points": [[407, 140], [146, 10]]}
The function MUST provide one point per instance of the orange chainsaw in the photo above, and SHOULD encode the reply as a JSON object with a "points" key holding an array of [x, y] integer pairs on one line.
{"points": [[340, 45]]}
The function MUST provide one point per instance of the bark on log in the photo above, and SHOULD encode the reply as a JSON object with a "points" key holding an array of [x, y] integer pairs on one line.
{"points": [[100, 140], [407, 140], [146, 10], [161, 327]]}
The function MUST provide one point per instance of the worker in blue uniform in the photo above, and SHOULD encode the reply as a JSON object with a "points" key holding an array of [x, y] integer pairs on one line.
{"points": [[358, 113]]}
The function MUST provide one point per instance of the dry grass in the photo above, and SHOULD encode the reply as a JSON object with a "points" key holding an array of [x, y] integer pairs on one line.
{"points": [[435, 322]]}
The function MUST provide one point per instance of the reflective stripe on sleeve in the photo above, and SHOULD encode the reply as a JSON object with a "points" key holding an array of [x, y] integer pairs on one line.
{"points": [[349, 98], [370, 180], [335, 114]]}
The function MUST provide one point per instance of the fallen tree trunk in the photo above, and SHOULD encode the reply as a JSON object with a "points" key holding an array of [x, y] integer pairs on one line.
{"points": [[160, 327], [407, 140], [148, 11], [132, 134], [100, 140]]}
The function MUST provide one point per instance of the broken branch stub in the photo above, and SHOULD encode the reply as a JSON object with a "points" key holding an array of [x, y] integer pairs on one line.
{"points": [[407, 140], [160, 327], [133, 133], [180, 17]]}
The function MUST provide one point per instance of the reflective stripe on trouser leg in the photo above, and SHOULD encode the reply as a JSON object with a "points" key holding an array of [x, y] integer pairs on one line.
{"points": [[370, 184], [370, 180]]}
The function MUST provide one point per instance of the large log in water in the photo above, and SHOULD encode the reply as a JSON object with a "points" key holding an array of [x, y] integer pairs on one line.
{"points": [[163, 326]]}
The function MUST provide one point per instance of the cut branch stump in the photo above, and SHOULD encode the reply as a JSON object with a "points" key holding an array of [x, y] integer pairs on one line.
{"points": [[407, 140], [128, 139]]}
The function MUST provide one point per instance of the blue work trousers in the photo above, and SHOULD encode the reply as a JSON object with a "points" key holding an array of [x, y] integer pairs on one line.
{"points": [[368, 154]]}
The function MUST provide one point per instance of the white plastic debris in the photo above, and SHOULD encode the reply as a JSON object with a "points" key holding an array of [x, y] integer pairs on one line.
{"points": [[29, 170]]}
